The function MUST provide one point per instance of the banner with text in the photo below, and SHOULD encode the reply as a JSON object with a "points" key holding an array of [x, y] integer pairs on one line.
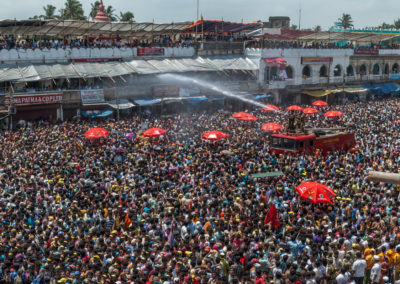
{"points": [[316, 60], [150, 51], [92, 96], [366, 51], [25, 100]]}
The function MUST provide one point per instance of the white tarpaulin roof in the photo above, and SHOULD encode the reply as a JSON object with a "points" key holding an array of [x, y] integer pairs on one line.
{"points": [[37, 72]]}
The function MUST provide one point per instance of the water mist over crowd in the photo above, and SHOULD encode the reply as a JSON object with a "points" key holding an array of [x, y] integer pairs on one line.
{"points": [[204, 84]]}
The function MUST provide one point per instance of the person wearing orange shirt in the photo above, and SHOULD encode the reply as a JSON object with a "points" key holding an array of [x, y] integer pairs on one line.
{"points": [[396, 263], [390, 256]]}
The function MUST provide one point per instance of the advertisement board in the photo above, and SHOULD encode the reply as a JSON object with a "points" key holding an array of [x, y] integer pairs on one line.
{"points": [[316, 60], [92, 96], [395, 76], [150, 51], [25, 100], [166, 90]]}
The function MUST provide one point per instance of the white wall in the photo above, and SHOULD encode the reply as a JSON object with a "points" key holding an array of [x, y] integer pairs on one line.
{"points": [[64, 55], [340, 57]]}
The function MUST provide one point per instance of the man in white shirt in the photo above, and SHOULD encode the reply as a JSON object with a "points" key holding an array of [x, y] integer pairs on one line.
{"points": [[376, 270], [342, 277], [359, 267]]}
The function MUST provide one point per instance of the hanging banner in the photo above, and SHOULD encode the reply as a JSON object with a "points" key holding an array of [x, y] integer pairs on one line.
{"points": [[150, 51], [316, 60], [95, 59], [92, 96], [366, 51], [24, 100]]}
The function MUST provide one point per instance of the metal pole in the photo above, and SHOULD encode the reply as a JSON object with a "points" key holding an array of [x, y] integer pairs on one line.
{"points": [[197, 15]]}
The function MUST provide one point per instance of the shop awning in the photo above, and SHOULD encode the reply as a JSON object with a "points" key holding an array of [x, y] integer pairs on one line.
{"points": [[195, 100], [96, 113], [262, 96], [217, 99], [389, 88], [318, 93], [171, 100], [355, 90], [386, 88], [146, 101], [120, 104]]}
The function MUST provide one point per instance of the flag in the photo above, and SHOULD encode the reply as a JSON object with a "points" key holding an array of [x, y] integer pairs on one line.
{"points": [[272, 217]]}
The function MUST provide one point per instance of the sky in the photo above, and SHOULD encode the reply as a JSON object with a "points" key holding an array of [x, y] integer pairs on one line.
{"points": [[365, 13]]}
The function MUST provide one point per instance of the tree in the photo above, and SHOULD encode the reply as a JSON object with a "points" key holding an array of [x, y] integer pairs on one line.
{"points": [[94, 9], [346, 21], [293, 27], [72, 11], [49, 12], [110, 13], [385, 26], [126, 17], [396, 24], [318, 28]]}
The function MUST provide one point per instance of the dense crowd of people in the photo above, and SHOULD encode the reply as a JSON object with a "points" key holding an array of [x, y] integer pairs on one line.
{"points": [[10, 42], [178, 209]]}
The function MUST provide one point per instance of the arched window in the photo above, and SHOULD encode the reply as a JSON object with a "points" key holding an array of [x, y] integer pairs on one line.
{"points": [[271, 73], [395, 68], [289, 72], [350, 70], [363, 69], [306, 72], [323, 71], [386, 69], [337, 71], [376, 70]]}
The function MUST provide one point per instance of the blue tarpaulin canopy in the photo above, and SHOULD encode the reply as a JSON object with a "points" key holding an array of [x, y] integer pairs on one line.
{"points": [[262, 96], [96, 113], [196, 100], [389, 87], [386, 88], [217, 99], [146, 101]]}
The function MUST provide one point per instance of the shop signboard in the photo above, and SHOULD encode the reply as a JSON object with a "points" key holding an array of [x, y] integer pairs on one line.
{"points": [[92, 96], [39, 99]]}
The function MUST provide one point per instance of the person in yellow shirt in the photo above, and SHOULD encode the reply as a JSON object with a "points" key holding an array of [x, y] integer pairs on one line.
{"points": [[390, 255], [369, 258], [396, 263]]}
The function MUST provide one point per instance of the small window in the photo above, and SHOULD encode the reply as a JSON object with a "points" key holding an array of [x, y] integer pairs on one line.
{"points": [[301, 144], [312, 143]]}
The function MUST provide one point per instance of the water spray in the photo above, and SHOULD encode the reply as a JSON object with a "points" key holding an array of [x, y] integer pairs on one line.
{"points": [[212, 87]]}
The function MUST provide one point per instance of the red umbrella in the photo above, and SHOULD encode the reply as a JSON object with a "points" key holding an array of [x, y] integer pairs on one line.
{"points": [[310, 110], [315, 192], [96, 133], [320, 104], [270, 108], [333, 113], [294, 107], [214, 135], [154, 132], [271, 127], [244, 116]]}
